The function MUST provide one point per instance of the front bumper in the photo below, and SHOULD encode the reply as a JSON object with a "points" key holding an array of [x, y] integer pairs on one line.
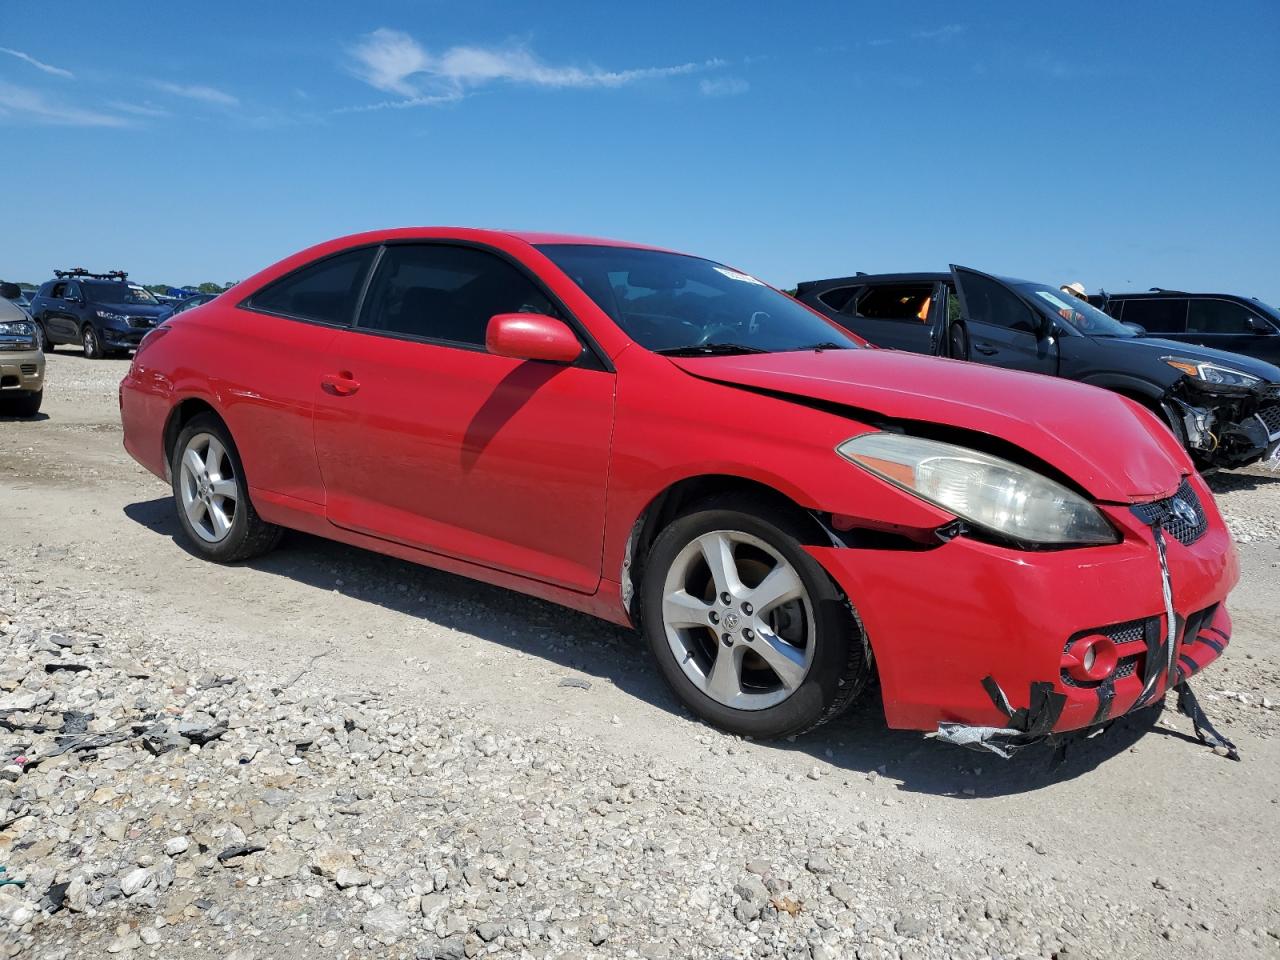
{"points": [[941, 621], [21, 371], [124, 339]]}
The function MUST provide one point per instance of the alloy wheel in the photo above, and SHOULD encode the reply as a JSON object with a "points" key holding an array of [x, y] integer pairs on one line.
{"points": [[739, 620], [90, 343], [207, 487]]}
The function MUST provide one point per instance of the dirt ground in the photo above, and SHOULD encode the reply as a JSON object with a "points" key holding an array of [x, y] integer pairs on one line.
{"points": [[1143, 813]]}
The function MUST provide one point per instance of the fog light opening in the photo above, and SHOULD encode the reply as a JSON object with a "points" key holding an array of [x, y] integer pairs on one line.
{"points": [[1092, 658]]}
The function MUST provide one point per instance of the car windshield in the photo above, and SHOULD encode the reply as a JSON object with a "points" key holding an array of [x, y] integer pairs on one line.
{"points": [[1081, 315], [110, 291], [671, 303]]}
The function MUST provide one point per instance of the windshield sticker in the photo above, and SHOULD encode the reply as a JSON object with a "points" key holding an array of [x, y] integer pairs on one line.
{"points": [[735, 275], [1055, 300]]}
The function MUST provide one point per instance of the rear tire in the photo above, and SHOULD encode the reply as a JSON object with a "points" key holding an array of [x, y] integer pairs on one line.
{"points": [[90, 343], [779, 670], [211, 495]]}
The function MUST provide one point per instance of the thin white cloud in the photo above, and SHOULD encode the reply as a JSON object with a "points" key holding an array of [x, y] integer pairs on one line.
{"points": [[204, 94], [723, 86], [394, 62], [39, 65], [945, 32], [25, 103], [137, 109]]}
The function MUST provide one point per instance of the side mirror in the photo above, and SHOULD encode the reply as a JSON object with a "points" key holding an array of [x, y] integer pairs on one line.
{"points": [[10, 291], [1137, 328], [531, 336]]}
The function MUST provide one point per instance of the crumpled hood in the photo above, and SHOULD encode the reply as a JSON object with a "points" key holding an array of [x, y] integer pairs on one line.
{"points": [[1115, 452]]}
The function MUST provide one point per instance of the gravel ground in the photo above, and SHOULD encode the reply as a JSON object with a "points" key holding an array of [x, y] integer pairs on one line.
{"points": [[328, 753]]}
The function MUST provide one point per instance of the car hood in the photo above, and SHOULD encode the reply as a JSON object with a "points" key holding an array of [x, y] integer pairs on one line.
{"points": [[134, 309], [1116, 452], [1159, 348]]}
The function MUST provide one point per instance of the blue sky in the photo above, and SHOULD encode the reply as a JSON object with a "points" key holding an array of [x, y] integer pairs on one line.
{"points": [[1122, 145]]}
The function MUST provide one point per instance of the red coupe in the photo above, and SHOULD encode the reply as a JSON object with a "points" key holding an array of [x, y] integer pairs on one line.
{"points": [[664, 441]]}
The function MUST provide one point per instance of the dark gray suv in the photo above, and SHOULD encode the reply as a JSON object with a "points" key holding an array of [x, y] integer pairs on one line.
{"points": [[1223, 407], [1224, 321]]}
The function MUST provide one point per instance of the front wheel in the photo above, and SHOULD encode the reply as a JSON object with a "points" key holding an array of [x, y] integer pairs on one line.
{"points": [[28, 404], [747, 628], [90, 343], [212, 495], [46, 345]]}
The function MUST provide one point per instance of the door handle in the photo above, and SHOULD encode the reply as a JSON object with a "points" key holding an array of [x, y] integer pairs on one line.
{"points": [[340, 384], [985, 349]]}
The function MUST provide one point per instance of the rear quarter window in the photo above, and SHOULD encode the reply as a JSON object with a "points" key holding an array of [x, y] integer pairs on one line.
{"points": [[324, 291]]}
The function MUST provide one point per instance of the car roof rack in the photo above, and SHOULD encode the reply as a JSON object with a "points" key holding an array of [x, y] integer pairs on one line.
{"points": [[120, 275], [1163, 290]]}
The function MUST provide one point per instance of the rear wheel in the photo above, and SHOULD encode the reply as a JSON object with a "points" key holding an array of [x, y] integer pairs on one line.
{"points": [[747, 628], [212, 495], [90, 343]]}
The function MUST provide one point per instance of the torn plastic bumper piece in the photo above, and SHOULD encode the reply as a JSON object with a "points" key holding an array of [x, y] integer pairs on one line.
{"points": [[1032, 724], [1189, 706]]}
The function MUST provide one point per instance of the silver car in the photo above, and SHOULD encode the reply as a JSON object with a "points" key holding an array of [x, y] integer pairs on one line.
{"points": [[21, 359]]}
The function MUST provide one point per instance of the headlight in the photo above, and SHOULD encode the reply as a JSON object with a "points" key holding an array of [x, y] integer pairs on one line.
{"points": [[1213, 373], [984, 490], [108, 315], [17, 328]]}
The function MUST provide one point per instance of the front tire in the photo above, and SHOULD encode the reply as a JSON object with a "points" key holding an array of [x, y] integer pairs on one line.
{"points": [[46, 345], [212, 495], [748, 629], [90, 343], [28, 404]]}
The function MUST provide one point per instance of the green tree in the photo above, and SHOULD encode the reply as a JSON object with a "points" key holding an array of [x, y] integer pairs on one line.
{"points": [[209, 287]]}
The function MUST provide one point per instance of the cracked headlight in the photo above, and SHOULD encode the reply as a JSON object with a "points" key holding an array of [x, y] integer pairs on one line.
{"points": [[1213, 373], [986, 491]]}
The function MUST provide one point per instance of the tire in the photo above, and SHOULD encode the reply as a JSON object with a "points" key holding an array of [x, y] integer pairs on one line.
{"points": [[28, 404], [221, 526], [46, 345], [90, 343], [826, 671], [958, 342]]}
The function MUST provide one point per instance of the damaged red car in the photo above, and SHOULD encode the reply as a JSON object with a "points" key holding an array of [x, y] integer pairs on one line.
{"points": [[664, 441]]}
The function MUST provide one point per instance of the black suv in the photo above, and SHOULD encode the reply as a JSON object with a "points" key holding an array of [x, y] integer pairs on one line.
{"points": [[1224, 407], [103, 313], [1220, 320]]}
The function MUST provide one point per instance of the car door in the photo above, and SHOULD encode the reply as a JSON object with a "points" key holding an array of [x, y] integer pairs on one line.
{"points": [[68, 303], [1232, 326], [426, 439], [900, 316], [1001, 327]]}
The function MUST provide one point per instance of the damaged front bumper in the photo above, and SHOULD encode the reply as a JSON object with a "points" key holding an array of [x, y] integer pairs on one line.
{"points": [[951, 624], [1226, 430]]}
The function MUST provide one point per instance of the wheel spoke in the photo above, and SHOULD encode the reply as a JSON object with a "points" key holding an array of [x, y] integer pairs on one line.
{"points": [[717, 550], [784, 659], [219, 520], [225, 489], [213, 458], [725, 680], [684, 610], [191, 460], [780, 585]]}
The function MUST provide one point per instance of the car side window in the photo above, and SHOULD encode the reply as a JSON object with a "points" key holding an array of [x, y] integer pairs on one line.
{"points": [[325, 291], [906, 302], [991, 302], [839, 297], [1221, 316], [54, 292], [71, 291], [1157, 315], [447, 293]]}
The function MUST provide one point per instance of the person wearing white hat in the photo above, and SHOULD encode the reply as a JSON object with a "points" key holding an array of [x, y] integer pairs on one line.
{"points": [[1076, 288]]}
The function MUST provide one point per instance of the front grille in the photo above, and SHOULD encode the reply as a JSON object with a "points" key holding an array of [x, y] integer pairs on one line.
{"points": [[142, 323], [1182, 515], [1270, 415]]}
